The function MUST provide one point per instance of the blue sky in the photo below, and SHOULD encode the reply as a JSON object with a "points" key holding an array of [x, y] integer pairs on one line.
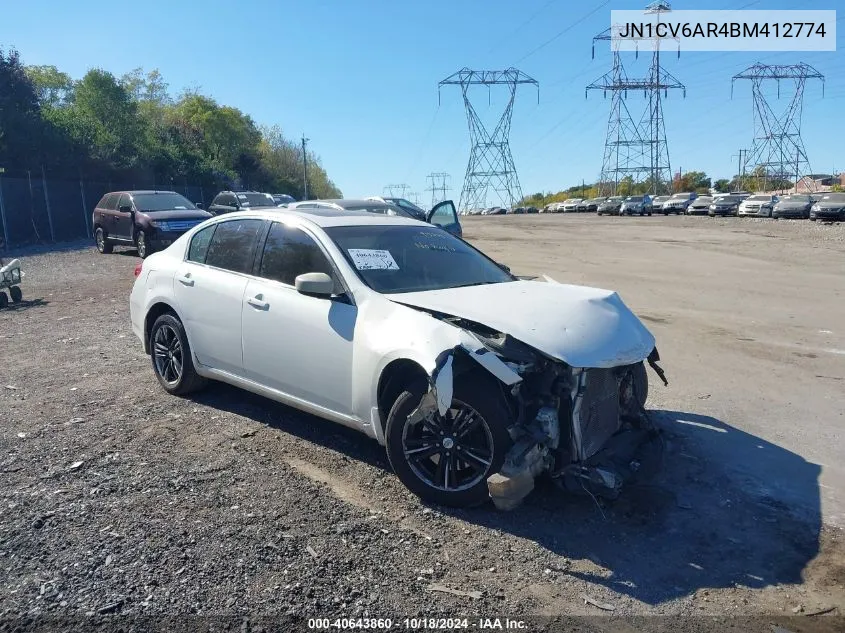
{"points": [[360, 78]]}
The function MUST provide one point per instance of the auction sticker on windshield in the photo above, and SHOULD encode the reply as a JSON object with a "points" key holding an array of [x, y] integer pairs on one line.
{"points": [[372, 259]]}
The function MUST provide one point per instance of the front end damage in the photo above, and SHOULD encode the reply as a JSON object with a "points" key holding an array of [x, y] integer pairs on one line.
{"points": [[586, 428]]}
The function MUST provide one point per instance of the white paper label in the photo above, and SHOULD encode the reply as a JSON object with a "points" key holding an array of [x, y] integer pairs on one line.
{"points": [[371, 259]]}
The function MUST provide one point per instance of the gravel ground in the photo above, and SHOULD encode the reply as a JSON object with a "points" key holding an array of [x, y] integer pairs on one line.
{"points": [[119, 499]]}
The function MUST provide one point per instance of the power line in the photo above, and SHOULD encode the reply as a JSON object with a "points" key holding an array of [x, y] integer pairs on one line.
{"points": [[564, 31]]}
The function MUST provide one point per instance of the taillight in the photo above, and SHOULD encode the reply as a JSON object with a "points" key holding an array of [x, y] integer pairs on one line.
{"points": [[138, 268]]}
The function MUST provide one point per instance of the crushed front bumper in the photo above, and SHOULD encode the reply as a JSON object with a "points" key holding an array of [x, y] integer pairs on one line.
{"points": [[592, 439]]}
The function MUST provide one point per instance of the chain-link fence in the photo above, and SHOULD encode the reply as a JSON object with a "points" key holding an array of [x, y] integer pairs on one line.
{"points": [[35, 209]]}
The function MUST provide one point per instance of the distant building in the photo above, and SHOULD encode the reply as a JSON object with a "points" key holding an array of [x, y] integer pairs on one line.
{"points": [[818, 182]]}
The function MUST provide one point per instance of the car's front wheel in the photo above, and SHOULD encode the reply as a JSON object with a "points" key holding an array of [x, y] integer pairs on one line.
{"points": [[171, 356], [446, 459], [143, 244]]}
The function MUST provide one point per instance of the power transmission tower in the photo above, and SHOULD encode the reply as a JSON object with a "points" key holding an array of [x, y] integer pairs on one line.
{"points": [[439, 186], [777, 152], [636, 149], [396, 191], [490, 161]]}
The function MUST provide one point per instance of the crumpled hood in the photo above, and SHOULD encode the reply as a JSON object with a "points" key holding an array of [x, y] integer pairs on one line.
{"points": [[582, 326]]}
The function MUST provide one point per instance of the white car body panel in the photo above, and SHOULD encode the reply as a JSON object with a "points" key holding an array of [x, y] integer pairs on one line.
{"points": [[582, 326]]}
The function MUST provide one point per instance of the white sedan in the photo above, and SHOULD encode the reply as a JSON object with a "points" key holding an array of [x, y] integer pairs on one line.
{"points": [[475, 380]]}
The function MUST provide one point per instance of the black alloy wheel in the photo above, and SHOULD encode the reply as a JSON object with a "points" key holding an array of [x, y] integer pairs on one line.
{"points": [[446, 459], [168, 354]]}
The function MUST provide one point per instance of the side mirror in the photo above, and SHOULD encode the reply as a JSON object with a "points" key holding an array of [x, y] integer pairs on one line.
{"points": [[198, 205], [503, 267], [314, 284], [125, 208]]}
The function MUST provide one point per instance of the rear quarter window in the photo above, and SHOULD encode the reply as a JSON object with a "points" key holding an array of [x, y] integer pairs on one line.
{"points": [[232, 247], [108, 201], [200, 243]]}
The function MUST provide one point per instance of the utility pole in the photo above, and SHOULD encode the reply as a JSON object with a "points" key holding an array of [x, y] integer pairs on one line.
{"points": [[304, 168]]}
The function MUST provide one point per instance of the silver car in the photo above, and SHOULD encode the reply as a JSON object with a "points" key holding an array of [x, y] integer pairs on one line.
{"points": [[759, 205], [678, 203], [793, 206], [700, 205], [636, 205]]}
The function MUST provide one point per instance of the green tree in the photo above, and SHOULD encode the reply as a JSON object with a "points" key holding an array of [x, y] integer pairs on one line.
{"points": [[53, 87]]}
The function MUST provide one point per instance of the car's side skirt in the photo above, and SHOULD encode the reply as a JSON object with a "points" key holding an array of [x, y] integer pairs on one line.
{"points": [[274, 394]]}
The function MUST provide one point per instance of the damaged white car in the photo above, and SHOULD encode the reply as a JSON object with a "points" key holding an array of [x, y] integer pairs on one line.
{"points": [[476, 381]]}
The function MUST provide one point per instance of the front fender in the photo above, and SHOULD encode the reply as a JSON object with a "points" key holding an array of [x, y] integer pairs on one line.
{"points": [[391, 332]]}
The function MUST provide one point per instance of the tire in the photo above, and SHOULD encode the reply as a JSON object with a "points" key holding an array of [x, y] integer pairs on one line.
{"points": [[420, 475], [169, 343], [103, 245], [4, 300], [640, 380], [16, 294], [142, 244], [812, 219]]}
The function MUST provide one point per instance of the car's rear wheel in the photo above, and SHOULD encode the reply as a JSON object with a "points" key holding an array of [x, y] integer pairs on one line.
{"points": [[16, 294], [171, 357], [103, 244], [4, 299], [446, 459]]}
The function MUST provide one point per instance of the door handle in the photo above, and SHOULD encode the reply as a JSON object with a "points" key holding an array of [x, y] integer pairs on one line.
{"points": [[255, 302], [186, 280]]}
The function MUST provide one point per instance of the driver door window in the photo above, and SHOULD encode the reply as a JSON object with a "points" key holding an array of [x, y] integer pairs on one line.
{"points": [[290, 252]]}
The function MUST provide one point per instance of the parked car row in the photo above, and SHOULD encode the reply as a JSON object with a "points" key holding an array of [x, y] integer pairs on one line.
{"points": [[827, 206], [152, 220]]}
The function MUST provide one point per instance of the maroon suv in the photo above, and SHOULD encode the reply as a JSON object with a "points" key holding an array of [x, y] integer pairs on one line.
{"points": [[149, 220]]}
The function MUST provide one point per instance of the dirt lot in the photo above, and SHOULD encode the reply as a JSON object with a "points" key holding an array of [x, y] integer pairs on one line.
{"points": [[120, 499]]}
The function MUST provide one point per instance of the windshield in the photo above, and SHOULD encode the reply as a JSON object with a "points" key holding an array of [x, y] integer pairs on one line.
{"points": [[616, 199], [283, 198], [702, 200], [794, 198], [392, 259], [727, 199], [758, 199], [633, 199], [680, 196], [834, 197], [255, 200], [161, 202]]}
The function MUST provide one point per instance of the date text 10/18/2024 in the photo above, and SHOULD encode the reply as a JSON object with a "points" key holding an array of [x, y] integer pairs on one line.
{"points": [[412, 624]]}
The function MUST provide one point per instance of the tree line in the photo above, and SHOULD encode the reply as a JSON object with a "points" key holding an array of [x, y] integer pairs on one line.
{"points": [[131, 129]]}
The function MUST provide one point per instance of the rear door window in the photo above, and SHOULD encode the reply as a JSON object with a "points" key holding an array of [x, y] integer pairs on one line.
{"points": [[232, 247], [290, 252]]}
